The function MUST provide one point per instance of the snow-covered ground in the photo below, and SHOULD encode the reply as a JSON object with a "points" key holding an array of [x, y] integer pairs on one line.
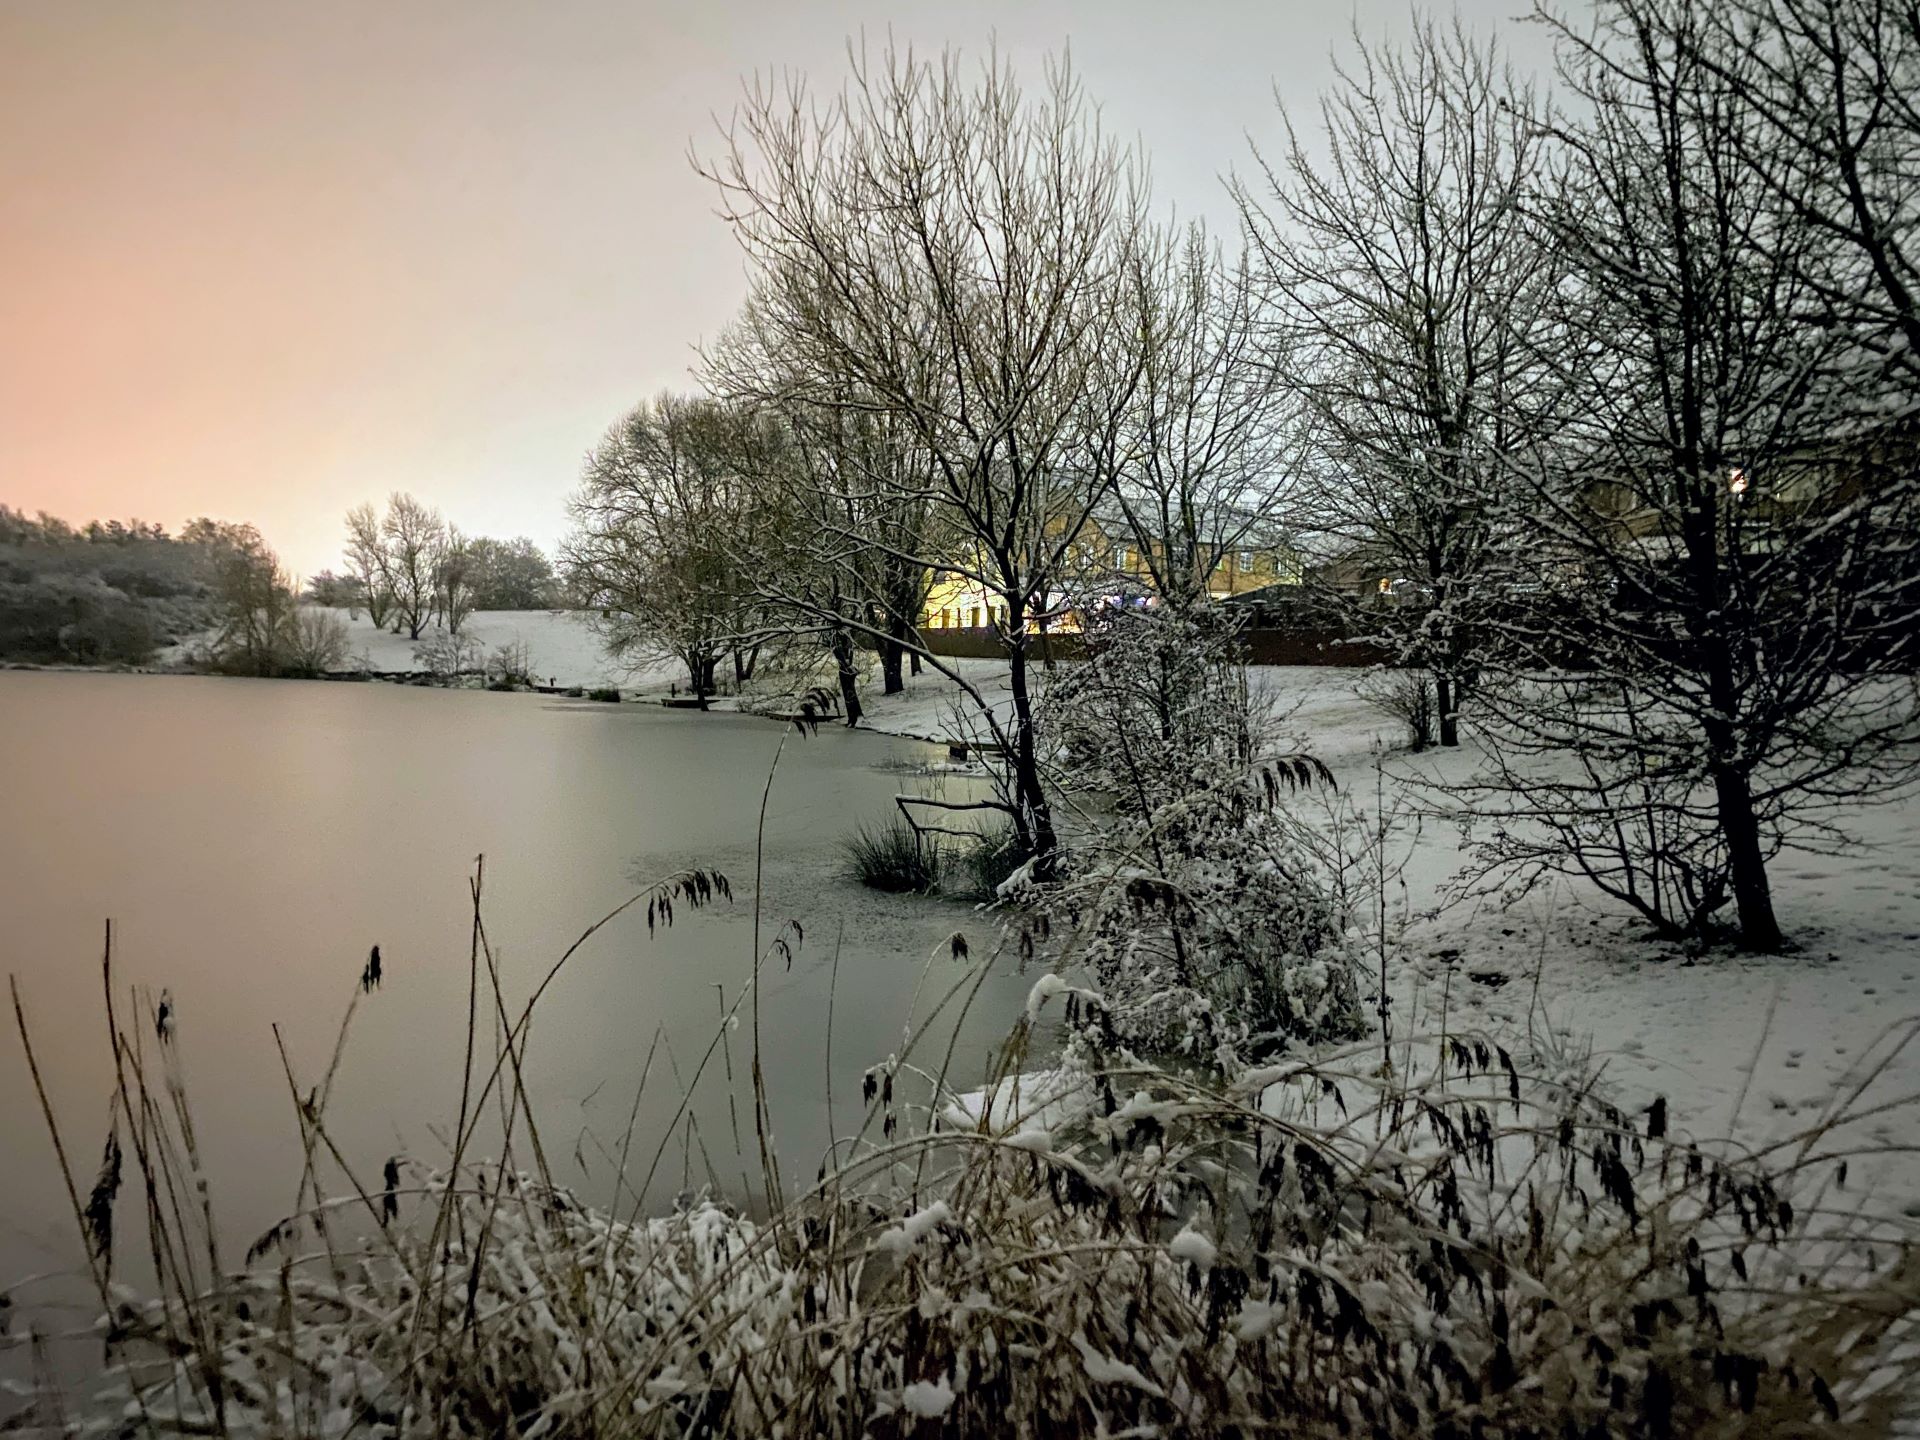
{"points": [[1756, 1048], [934, 708], [561, 645]]}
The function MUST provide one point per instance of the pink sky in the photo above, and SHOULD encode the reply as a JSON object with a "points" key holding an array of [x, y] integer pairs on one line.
{"points": [[262, 260]]}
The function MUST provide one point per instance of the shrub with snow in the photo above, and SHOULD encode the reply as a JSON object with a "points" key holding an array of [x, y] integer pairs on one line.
{"points": [[1222, 941], [1201, 914]]}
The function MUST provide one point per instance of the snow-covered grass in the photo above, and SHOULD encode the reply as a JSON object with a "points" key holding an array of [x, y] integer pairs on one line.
{"points": [[1461, 1245], [561, 646]]}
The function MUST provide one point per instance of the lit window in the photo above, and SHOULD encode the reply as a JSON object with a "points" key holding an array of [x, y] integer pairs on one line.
{"points": [[975, 621]]}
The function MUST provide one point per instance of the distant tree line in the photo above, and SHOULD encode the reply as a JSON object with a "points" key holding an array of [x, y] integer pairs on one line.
{"points": [[409, 568], [113, 592]]}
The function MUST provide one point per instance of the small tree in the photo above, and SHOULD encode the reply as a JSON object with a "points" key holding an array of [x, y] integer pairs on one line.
{"points": [[1404, 272], [368, 566], [415, 537]]}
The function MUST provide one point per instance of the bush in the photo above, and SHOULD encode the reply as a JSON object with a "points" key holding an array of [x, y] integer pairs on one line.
{"points": [[991, 861], [894, 857], [75, 620], [1206, 916], [510, 666], [1213, 931], [315, 643], [606, 693], [1407, 696], [446, 657], [115, 633]]}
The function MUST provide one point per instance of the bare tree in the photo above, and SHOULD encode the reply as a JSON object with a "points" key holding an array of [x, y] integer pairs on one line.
{"points": [[314, 642], [1403, 268], [367, 563], [1832, 89], [414, 537], [947, 252], [1730, 541], [662, 520], [846, 566], [1212, 443], [455, 579]]}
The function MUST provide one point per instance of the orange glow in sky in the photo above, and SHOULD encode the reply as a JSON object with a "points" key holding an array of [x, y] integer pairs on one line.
{"points": [[262, 260]]}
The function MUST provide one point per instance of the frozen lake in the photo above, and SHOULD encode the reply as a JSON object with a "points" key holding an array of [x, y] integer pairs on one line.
{"points": [[252, 839]]}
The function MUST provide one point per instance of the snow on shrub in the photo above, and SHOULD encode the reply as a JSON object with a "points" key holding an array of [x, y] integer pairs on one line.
{"points": [[1211, 932], [1201, 911]]}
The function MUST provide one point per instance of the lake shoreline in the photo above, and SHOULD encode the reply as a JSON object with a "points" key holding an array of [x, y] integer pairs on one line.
{"points": [[761, 707]]}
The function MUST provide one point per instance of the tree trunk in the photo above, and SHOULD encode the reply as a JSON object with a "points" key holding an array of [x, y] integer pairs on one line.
{"points": [[1029, 795], [848, 676], [700, 670], [892, 652], [913, 662], [1444, 698], [1747, 862], [1719, 637]]}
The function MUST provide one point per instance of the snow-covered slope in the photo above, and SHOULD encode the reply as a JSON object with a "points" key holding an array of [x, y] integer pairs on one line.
{"points": [[561, 644]]}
